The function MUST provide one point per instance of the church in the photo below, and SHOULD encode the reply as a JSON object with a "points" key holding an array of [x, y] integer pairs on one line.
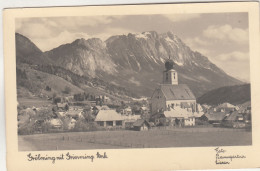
{"points": [[172, 95]]}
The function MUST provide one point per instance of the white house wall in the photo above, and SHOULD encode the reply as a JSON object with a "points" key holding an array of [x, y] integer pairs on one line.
{"points": [[178, 102]]}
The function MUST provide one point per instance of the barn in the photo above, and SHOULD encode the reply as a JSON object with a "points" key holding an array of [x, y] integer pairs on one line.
{"points": [[141, 125], [109, 118]]}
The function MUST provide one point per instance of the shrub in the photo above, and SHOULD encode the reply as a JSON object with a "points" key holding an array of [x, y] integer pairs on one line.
{"points": [[67, 90], [82, 125], [26, 129]]}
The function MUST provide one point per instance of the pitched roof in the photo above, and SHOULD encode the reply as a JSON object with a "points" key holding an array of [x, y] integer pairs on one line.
{"points": [[140, 122], [177, 92], [233, 116], [226, 105], [108, 115], [73, 112], [55, 122], [244, 106], [217, 116], [61, 105]]}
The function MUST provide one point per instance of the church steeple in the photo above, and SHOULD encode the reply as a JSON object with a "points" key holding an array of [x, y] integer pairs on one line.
{"points": [[170, 76]]}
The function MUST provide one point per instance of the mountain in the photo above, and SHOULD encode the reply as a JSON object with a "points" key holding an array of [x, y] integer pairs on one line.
{"points": [[136, 62], [237, 94], [84, 57], [27, 51], [29, 59]]}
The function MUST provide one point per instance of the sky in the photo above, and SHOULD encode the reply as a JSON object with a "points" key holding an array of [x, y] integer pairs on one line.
{"points": [[222, 37]]}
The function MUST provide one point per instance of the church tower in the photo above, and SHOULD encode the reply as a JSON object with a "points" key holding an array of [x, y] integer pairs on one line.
{"points": [[170, 76]]}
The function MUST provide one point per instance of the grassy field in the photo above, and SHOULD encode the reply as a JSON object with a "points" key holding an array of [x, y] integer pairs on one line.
{"points": [[36, 102], [187, 137]]}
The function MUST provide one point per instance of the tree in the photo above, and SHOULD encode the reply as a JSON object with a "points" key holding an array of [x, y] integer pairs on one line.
{"points": [[48, 88], [57, 100]]}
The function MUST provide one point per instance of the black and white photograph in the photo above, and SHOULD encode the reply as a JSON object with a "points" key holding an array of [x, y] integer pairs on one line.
{"points": [[133, 81], [132, 87]]}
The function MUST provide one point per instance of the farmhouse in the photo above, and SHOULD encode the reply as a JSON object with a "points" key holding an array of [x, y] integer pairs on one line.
{"points": [[171, 94], [215, 118], [141, 125], [75, 113], [130, 119], [239, 118], [109, 118]]}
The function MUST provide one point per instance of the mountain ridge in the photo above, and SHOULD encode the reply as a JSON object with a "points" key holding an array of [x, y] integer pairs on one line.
{"points": [[136, 62]]}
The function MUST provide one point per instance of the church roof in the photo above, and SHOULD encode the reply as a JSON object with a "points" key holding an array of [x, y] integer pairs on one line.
{"points": [[177, 92]]}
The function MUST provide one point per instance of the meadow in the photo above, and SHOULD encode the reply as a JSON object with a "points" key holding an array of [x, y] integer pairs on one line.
{"points": [[34, 101], [159, 138]]}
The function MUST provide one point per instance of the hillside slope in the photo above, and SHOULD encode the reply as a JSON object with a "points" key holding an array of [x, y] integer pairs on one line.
{"points": [[237, 94], [34, 83]]}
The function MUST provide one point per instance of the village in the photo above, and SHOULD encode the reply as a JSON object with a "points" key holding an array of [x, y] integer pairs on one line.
{"points": [[172, 105]]}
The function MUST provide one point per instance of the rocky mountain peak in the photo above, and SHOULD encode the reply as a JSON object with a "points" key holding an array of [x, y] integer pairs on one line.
{"points": [[89, 43], [136, 61]]}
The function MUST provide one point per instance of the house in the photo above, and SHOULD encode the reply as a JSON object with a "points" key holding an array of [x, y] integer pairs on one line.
{"points": [[55, 123], [61, 114], [199, 114], [171, 94], [245, 108], [127, 111], [75, 113], [216, 118], [141, 125], [225, 107], [105, 99], [109, 118], [68, 99], [179, 117], [130, 120], [63, 106], [235, 120], [144, 109], [240, 117]]}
